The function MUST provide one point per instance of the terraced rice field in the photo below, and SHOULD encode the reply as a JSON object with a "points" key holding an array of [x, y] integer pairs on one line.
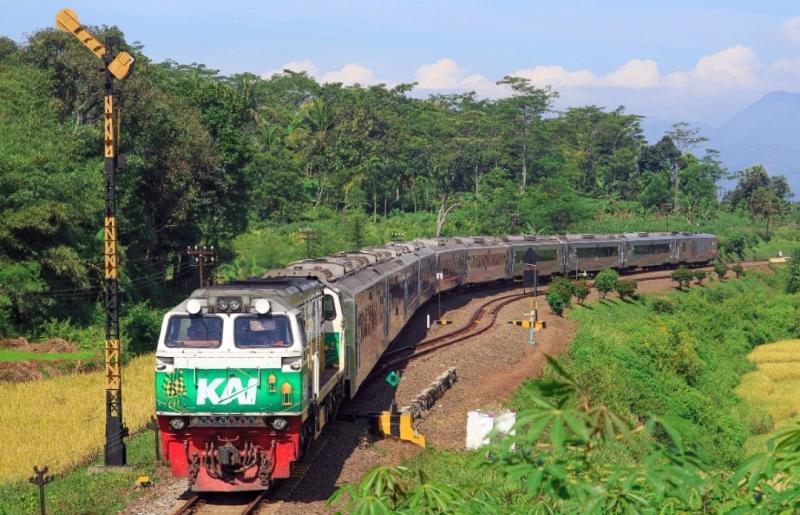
{"points": [[774, 386], [60, 421]]}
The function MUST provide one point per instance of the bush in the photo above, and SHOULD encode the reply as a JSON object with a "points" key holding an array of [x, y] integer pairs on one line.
{"points": [[662, 306], [720, 269], [735, 244], [557, 301], [700, 276], [564, 288], [141, 327], [793, 277], [606, 282], [581, 290], [738, 270], [683, 276], [626, 288]]}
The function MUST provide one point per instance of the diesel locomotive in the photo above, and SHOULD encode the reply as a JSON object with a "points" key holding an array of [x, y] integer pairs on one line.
{"points": [[249, 373]]}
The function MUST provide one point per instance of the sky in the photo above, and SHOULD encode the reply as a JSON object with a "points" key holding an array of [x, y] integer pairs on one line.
{"points": [[695, 60]]}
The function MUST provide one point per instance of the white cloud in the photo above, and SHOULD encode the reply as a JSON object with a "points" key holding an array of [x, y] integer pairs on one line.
{"points": [[446, 74], [732, 66], [351, 74], [636, 73], [556, 75], [792, 29], [443, 74], [305, 65]]}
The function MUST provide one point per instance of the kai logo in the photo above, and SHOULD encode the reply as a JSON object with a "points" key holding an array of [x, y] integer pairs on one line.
{"points": [[208, 392]]}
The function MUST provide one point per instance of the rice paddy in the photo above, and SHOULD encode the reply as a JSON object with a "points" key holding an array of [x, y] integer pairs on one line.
{"points": [[774, 386], [60, 421]]}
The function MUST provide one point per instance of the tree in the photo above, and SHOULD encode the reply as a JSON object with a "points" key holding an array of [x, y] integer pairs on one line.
{"points": [[700, 276], [581, 290], [523, 112], [683, 276], [793, 277], [626, 288], [606, 282], [557, 301], [685, 137], [720, 269], [765, 203]]}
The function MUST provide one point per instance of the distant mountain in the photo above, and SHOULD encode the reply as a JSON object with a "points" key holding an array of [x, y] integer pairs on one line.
{"points": [[767, 133]]}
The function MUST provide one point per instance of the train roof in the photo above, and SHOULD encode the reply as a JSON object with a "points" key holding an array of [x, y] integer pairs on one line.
{"points": [[288, 291]]}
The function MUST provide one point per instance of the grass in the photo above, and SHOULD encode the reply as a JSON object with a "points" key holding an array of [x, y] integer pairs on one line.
{"points": [[15, 355], [60, 421], [81, 491], [774, 387]]}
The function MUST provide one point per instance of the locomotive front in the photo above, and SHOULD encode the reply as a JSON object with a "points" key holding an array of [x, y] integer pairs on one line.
{"points": [[231, 389]]}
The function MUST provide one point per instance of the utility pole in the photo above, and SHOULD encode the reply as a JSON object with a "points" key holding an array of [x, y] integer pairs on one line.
{"points": [[202, 255], [120, 68]]}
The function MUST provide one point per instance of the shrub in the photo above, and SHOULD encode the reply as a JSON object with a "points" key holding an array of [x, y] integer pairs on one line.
{"points": [[720, 269], [581, 290], [735, 244], [557, 301], [662, 306], [564, 288], [606, 282], [738, 270], [626, 288], [141, 326], [793, 277], [700, 276], [683, 276]]}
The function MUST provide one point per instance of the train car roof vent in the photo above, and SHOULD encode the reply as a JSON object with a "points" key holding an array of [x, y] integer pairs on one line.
{"points": [[587, 236], [530, 237], [442, 243], [674, 232], [478, 240], [644, 234]]}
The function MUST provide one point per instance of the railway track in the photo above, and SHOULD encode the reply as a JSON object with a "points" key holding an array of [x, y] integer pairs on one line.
{"points": [[485, 316], [240, 504]]}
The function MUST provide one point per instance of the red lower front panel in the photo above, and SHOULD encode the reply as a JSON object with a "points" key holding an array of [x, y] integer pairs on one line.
{"points": [[223, 459]]}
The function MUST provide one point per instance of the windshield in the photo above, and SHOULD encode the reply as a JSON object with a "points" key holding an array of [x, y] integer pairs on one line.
{"points": [[262, 331], [194, 331]]}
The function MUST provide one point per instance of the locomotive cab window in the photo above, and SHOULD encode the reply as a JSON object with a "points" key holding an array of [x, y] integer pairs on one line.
{"points": [[200, 332], [262, 332], [328, 308]]}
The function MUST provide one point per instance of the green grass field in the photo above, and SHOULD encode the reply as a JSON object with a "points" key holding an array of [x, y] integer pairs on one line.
{"points": [[16, 355]]}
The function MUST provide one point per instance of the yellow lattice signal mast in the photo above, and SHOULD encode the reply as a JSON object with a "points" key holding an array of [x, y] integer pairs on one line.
{"points": [[120, 68]]}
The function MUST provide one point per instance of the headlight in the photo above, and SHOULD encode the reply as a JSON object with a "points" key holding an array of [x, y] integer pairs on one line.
{"points": [[236, 305], [280, 423], [177, 423], [222, 305]]}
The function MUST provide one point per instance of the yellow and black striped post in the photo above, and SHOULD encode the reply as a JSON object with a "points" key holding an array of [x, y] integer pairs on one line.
{"points": [[120, 68], [115, 451]]}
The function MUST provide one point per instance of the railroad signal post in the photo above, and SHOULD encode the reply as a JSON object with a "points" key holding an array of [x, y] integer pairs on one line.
{"points": [[202, 256], [119, 67]]}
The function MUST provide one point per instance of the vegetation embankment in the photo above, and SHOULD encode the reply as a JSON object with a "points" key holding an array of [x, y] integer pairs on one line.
{"points": [[641, 414]]}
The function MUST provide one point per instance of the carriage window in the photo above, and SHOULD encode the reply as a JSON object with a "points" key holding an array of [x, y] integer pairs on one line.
{"points": [[586, 252], [328, 308], [202, 332], [262, 331], [643, 250], [591, 252]]}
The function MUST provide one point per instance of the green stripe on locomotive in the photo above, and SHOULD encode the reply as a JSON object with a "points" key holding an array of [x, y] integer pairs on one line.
{"points": [[332, 342], [230, 391]]}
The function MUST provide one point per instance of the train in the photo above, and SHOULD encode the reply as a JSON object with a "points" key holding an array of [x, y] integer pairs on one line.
{"points": [[248, 373]]}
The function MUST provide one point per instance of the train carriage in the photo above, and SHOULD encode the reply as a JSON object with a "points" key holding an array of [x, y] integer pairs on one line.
{"points": [[487, 260], [650, 250], [451, 261], [695, 249], [592, 253], [546, 252]]}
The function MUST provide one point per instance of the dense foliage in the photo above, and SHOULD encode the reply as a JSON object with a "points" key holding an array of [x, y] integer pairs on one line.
{"points": [[295, 168]]}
